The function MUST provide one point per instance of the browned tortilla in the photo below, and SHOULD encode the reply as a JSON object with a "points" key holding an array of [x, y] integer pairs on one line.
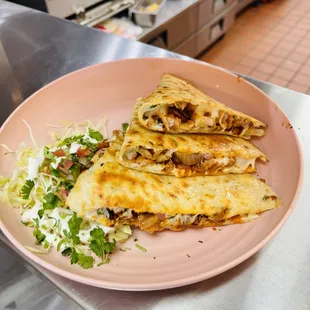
{"points": [[176, 106], [114, 195]]}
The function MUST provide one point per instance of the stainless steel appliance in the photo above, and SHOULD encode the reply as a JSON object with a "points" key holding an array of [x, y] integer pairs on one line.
{"points": [[187, 27]]}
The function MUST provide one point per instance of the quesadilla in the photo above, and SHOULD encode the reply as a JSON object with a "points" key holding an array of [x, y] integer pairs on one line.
{"points": [[114, 195], [176, 106], [185, 155]]}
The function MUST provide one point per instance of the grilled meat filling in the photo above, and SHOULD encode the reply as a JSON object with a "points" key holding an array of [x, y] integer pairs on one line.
{"points": [[156, 222], [185, 113]]}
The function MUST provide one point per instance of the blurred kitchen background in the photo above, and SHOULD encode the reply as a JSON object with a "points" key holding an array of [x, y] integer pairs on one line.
{"points": [[266, 39]]}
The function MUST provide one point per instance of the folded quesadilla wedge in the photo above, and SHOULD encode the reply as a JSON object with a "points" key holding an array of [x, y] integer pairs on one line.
{"points": [[114, 195], [185, 155], [176, 106]]}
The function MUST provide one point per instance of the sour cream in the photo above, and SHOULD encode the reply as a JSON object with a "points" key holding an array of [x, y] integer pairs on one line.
{"points": [[74, 147], [30, 214], [34, 163]]}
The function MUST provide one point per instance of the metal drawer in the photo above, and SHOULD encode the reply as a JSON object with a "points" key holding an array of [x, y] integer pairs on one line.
{"points": [[188, 48], [207, 35], [208, 9], [182, 27], [211, 33]]}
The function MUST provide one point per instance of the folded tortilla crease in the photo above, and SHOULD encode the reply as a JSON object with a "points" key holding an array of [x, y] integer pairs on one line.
{"points": [[115, 195], [184, 155], [176, 106]]}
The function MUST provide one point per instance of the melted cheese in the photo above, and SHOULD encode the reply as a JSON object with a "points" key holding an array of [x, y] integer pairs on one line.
{"points": [[223, 150]]}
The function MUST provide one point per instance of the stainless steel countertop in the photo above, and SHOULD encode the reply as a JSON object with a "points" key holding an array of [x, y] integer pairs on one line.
{"points": [[40, 48]]}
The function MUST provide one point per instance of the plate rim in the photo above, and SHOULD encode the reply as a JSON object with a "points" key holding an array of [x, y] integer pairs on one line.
{"points": [[166, 284]]}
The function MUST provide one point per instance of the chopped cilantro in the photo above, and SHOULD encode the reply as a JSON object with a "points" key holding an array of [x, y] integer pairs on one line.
{"points": [[153, 106], [51, 201], [67, 184], [266, 197], [60, 243], [99, 245], [74, 226], [95, 134], [79, 258], [125, 126], [76, 239], [68, 141], [74, 158], [48, 154], [40, 213], [54, 172], [39, 236], [26, 189], [36, 221], [74, 257], [66, 233], [85, 261], [75, 170]]}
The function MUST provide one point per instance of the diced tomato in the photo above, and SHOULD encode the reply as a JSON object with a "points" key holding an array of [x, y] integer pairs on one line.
{"points": [[63, 193], [59, 153], [82, 152], [67, 164]]}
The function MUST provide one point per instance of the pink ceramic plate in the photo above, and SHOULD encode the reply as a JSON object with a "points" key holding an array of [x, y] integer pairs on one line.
{"points": [[172, 258]]}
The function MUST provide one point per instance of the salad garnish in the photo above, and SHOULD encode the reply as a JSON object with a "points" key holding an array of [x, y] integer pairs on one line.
{"points": [[40, 185]]}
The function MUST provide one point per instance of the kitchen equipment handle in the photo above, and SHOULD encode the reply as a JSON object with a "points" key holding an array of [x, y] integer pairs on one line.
{"points": [[160, 40], [218, 5], [217, 30]]}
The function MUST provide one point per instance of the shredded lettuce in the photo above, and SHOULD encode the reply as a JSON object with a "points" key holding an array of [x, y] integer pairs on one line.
{"points": [[40, 183], [121, 233], [141, 248]]}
